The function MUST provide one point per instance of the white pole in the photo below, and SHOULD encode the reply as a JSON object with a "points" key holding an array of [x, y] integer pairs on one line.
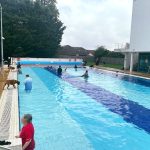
{"points": [[131, 63], [125, 61], [2, 53]]}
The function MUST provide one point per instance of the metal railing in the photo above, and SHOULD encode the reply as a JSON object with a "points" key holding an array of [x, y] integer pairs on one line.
{"points": [[122, 47]]}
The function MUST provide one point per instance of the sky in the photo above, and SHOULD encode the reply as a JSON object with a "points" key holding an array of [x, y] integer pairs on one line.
{"points": [[93, 23]]}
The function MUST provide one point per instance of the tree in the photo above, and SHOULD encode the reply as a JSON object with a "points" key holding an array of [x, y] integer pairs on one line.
{"points": [[31, 28], [101, 52]]}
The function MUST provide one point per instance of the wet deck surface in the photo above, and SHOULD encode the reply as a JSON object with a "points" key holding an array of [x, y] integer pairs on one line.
{"points": [[9, 115]]}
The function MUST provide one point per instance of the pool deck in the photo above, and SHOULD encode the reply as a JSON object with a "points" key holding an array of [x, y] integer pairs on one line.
{"points": [[137, 74], [9, 115]]}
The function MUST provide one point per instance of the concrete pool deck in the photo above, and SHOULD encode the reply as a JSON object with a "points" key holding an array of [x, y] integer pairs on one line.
{"points": [[136, 74], [9, 115]]}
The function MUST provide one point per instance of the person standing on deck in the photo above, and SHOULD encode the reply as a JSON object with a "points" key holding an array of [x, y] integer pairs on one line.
{"points": [[28, 83], [27, 133], [9, 61]]}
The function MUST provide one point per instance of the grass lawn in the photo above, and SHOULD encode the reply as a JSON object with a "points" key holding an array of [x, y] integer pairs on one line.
{"points": [[90, 62], [115, 66]]}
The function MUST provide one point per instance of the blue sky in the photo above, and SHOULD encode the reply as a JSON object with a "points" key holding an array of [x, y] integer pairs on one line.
{"points": [[92, 23]]}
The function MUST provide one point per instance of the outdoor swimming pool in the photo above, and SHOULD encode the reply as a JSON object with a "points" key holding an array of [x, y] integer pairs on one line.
{"points": [[101, 113]]}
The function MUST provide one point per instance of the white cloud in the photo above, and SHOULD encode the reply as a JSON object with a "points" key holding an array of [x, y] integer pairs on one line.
{"points": [[95, 22]]}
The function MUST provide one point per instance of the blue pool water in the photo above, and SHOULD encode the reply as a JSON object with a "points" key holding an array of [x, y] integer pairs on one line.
{"points": [[105, 112]]}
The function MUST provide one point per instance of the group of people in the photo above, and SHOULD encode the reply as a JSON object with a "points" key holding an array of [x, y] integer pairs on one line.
{"points": [[59, 71], [54, 70]]}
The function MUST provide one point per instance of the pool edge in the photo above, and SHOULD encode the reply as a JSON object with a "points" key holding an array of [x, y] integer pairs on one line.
{"points": [[13, 113]]}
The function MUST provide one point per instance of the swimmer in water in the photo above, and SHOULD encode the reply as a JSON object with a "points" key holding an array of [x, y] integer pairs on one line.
{"points": [[117, 73], [28, 83], [86, 74], [65, 69], [59, 71], [75, 67]]}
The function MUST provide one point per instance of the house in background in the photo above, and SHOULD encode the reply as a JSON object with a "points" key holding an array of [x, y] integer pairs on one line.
{"points": [[137, 53], [68, 51]]}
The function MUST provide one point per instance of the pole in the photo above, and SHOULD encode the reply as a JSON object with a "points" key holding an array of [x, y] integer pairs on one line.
{"points": [[2, 53], [125, 61], [131, 62]]}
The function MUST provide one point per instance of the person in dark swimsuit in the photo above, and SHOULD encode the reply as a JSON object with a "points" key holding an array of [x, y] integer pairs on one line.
{"points": [[75, 67], [59, 71], [86, 74]]}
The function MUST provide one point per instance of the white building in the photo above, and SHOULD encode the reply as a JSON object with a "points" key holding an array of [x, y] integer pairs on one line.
{"points": [[138, 53]]}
